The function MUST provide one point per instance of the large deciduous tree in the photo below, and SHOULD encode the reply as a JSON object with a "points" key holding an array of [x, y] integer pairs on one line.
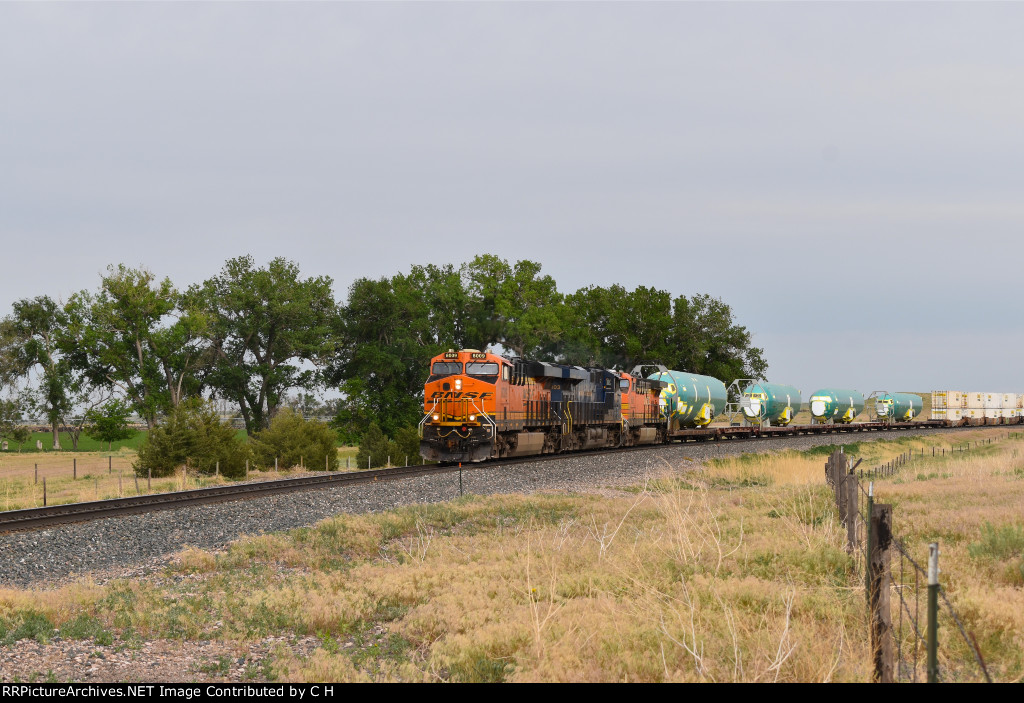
{"points": [[264, 324], [30, 340], [512, 305], [389, 330], [138, 335], [707, 340]]}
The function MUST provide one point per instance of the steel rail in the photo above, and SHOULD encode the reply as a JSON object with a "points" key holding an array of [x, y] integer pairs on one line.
{"points": [[67, 513]]}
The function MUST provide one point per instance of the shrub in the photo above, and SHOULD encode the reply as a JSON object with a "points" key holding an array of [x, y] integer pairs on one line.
{"points": [[192, 436], [1003, 542], [407, 444], [293, 440], [374, 449]]}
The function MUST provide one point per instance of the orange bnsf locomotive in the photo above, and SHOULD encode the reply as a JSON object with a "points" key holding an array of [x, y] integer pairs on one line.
{"points": [[480, 406]]}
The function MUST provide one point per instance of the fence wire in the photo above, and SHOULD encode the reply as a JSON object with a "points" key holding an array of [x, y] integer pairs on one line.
{"points": [[909, 583]]}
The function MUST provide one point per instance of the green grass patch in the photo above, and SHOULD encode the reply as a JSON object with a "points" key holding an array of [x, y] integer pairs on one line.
{"points": [[85, 444], [84, 627], [853, 448], [25, 625], [1003, 542]]}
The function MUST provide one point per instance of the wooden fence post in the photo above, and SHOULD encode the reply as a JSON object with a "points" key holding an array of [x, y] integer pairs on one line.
{"points": [[851, 511], [879, 580]]}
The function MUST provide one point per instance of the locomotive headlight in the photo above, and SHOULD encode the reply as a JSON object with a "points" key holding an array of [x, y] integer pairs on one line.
{"points": [[458, 384], [436, 417], [472, 418]]}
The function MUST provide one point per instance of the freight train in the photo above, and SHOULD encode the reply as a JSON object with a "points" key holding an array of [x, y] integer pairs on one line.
{"points": [[479, 406]]}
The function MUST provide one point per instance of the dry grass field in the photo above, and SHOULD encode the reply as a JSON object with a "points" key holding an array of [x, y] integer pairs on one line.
{"points": [[730, 571], [83, 476]]}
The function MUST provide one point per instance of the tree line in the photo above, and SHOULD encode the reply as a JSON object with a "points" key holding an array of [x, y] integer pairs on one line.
{"points": [[253, 334]]}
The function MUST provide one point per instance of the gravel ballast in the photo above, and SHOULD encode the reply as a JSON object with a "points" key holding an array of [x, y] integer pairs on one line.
{"points": [[42, 558]]}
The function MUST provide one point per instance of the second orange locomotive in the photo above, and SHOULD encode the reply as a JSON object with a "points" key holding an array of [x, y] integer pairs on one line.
{"points": [[482, 406]]}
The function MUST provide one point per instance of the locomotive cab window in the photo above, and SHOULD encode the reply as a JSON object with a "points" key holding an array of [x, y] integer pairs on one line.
{"points": [[624, 384], [446, 368], [504, 373], [481, 368]]}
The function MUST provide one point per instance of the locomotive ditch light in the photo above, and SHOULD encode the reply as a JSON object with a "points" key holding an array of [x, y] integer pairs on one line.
{"points": [[436, 417], [472, 418], [458, 384]]}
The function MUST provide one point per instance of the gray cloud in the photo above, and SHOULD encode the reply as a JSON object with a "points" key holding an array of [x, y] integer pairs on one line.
{"points": [[833, 171]]}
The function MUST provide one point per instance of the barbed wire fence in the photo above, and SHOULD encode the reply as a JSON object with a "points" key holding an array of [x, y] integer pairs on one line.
{"points": [[910, 651]]}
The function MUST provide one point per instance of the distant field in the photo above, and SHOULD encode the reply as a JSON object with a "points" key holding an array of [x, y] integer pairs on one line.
{"points": [[87, 444], [73, 477]]}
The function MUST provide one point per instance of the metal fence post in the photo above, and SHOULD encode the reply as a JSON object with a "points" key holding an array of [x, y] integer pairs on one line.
{"points": [[74, 468], [933, 612], [44, 491]]}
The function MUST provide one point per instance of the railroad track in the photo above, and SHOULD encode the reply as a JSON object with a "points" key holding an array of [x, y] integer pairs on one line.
{"points": [[50, 516]]}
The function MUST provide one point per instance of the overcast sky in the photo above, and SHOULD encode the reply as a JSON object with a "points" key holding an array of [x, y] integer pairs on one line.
{"points": [[848, 177]]}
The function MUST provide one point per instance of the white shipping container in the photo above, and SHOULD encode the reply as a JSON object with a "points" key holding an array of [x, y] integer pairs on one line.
{"points": [[1009, 402], [993, 413], [974, 413], [992, 401], [951, 414], [948, 399], [1020, 401], [975, 400]]}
